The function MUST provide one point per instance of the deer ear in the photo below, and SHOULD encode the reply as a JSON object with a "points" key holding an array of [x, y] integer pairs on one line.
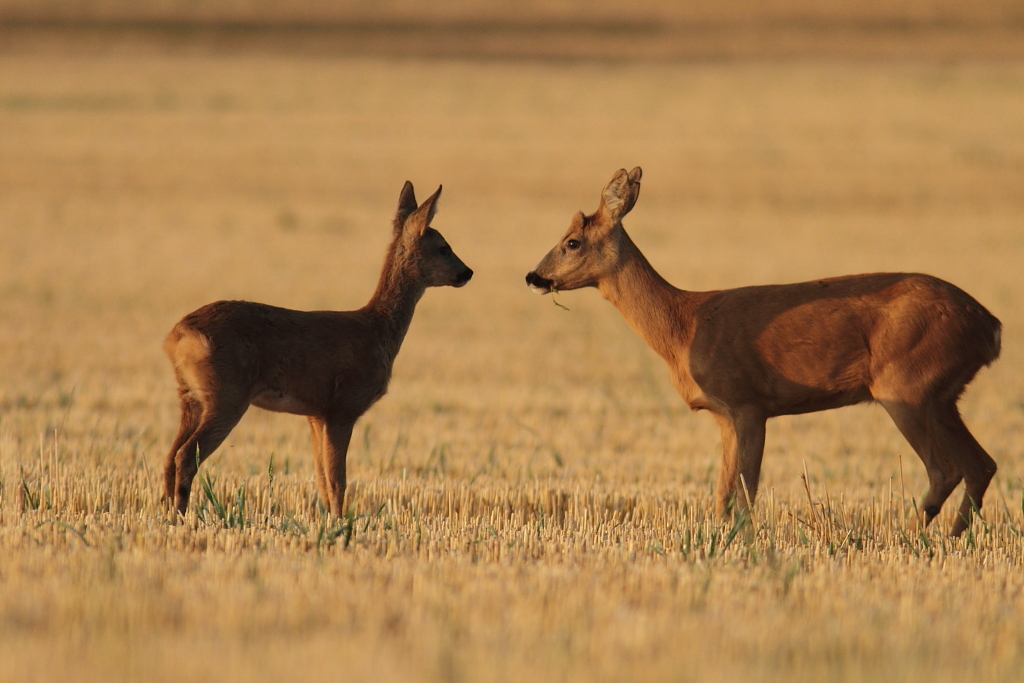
{"points": [[406, 205], [620, 194], [420, 219], [634, 189]]}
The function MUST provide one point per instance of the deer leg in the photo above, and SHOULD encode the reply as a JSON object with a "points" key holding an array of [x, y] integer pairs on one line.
{"points": [[750, 432], [742, 451], [339, 433], [190, 412], [917, 424], [725, 487], [977, 466], [318, 436], [214, 427]]}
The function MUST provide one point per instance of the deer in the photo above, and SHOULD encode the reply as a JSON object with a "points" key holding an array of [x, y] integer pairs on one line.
{"points": [[907, 341], [329, 366]]}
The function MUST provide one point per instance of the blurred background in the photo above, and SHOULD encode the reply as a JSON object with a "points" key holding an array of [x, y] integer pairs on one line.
{"points": [[158, 155], [601, 29]]}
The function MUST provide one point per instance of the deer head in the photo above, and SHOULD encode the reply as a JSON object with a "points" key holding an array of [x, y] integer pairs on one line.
{"points": [[421, 248], [590, 249]]}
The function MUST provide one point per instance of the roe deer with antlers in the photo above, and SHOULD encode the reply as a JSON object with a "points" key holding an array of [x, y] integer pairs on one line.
{"points": [[910, 342], [330, 366]]}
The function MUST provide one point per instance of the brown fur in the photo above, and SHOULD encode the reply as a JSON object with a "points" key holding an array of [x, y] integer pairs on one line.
{"points": [[330, 366], [910, 342]]}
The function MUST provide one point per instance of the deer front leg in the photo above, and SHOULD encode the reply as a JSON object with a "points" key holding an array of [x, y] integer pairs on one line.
{"points": [[742, 450], [317, 439], [338, 433]]}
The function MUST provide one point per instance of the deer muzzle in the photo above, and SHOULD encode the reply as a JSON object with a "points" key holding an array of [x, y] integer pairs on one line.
{"points": [[540, 285]]}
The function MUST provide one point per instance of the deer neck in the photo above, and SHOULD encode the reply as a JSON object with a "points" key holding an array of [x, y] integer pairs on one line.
{"points": [[659, 313], [394, 301]]}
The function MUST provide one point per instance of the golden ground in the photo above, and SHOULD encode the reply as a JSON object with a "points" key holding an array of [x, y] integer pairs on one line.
{"points": [[532, 500]]}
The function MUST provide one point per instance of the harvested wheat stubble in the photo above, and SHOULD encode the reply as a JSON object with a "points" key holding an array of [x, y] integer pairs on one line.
{"points": [[544, 516]]}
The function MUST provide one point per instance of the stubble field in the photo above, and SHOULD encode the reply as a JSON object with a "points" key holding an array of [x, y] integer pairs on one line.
{"points": [[532, 500]]}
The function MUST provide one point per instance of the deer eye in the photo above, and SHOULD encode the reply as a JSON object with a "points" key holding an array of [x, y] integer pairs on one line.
{"points": [[573, 244], [445, 250]]}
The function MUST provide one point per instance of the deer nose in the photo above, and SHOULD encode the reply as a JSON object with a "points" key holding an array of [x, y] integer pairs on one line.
{"points": [[538, 282], [464, 277]]}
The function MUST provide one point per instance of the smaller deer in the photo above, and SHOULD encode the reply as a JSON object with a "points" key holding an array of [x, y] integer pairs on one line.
{"points": [[330, 366], [910, 342]]}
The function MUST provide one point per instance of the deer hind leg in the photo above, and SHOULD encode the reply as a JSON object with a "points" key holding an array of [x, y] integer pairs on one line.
{"points": [[977, 466], [916, 423], [191, 411], [950, 454], [318, 438], [742, 451], [216, 423], [338, 433]]}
